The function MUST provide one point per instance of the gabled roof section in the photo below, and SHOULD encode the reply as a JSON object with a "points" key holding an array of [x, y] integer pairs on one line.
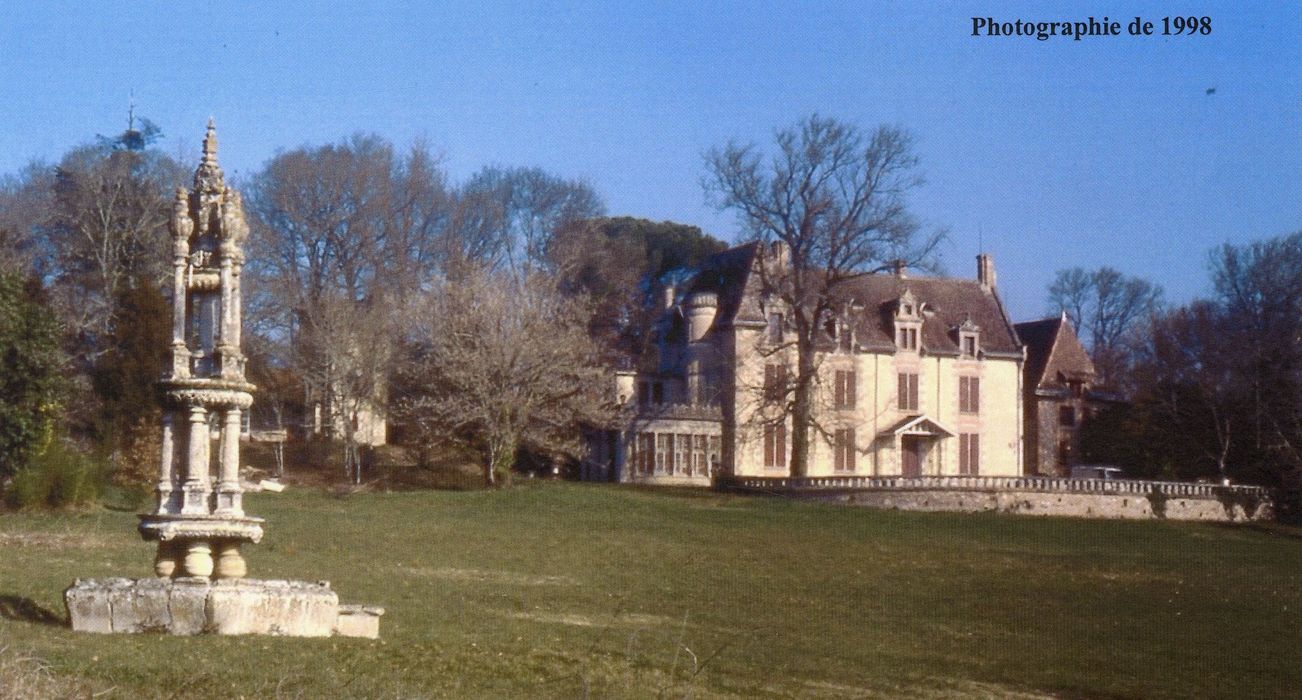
{"points": [[1053, 353], [946, 305]]}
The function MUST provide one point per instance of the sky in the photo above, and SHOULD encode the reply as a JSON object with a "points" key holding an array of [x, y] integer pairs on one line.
{"points": [[1137, 152]]}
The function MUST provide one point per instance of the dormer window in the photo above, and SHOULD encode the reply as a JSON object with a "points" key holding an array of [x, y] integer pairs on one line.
{"points": [[906, 338], [969, 338], [908, 322]]}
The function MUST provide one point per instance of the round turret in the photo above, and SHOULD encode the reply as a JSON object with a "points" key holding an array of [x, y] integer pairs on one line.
{"points": [[700, 307]]}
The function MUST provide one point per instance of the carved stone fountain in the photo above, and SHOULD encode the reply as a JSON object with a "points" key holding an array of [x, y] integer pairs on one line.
{"points": [[200, 524]]}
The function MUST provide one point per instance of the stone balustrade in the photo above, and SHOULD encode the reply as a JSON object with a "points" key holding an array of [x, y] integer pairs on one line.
{"points": [[989, 483], [1102, 498]]}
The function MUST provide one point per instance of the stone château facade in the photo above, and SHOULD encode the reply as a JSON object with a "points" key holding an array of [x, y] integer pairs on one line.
{"points": [[918, 376]]}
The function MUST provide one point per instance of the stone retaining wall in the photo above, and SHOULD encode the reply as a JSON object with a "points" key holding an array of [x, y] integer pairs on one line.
{"points": [[1088, 498]]}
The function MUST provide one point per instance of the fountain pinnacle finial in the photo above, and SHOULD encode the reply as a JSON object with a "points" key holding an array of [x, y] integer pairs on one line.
{"points": [[208, 178], [210, 142]]}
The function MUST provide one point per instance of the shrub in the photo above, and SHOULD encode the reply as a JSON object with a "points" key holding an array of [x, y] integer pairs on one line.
{"points": [[58, 476]]}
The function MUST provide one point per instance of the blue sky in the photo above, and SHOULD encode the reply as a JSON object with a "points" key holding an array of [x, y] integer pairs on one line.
{"points": [[1105, 151]]}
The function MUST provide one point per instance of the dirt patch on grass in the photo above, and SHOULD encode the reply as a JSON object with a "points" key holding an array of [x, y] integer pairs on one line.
{"points": [[578, 620], [937, 688], [505, 578]]}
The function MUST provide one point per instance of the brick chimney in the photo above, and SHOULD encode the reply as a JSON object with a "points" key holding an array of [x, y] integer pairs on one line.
{"points": [[986, 270]]}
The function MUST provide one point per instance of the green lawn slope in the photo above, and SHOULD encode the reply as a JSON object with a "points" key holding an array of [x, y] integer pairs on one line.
{"points": [[573, 590]]}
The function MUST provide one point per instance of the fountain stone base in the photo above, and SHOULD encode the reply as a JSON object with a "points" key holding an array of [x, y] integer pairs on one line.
{"points": [[194, 605]]}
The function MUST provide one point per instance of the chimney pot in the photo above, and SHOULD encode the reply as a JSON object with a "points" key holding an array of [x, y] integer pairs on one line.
{"points": [[986, 270]]}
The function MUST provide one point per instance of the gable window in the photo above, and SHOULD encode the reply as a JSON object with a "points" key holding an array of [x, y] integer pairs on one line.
{"points": [[1067, 416], [969, 345], [845, 389], [969, 394], [843, 449], [775, 383], [775, 445], [969, 454], [775, 328], [908, 391]]}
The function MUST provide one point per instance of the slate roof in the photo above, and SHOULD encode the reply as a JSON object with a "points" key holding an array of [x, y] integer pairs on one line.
{"points": [[1053, 353], [947, 304], [728, 275]]}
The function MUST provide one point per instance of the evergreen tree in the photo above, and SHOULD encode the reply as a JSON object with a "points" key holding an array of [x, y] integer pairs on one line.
{"points": [[31, 366]]}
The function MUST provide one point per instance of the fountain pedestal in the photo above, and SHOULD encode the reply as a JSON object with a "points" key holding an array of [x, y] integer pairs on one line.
{"points": [[198, 521]]}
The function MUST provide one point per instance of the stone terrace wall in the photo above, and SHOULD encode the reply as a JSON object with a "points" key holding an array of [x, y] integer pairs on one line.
{"points": [[1088, 498]]}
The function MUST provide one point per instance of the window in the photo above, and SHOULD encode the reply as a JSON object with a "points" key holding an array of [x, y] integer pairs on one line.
{"points": [[908, 386], [907, 338], [664, 452], [1067, 416], [713, 451], [846, 340], [683, 454], [969, 394], [658, 392], [775, 383], [700, 467], [775, 328], [775, 445], [1064, 452], [645, 458], [969, 345], [844, 450], [969, 454], [845, 389]]}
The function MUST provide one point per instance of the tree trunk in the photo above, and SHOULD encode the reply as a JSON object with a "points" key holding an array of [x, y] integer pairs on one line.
{"points": [[501, 459], [801, 407]]}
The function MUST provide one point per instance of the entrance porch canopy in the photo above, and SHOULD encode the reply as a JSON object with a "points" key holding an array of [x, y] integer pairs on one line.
{"points": [[917, 425]]}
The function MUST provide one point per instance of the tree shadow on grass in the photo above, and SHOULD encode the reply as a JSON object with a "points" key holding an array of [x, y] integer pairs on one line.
{"points": [[1265, 527], [14, 607]]}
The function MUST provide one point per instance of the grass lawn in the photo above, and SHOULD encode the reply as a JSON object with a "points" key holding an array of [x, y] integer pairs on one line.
{"points": [[573, 590]]}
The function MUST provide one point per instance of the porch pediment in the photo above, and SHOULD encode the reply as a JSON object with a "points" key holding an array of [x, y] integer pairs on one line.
{"points": [[917, 425]]}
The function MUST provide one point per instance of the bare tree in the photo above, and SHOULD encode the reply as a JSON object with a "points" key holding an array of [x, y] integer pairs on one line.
{"points": [[532, 205], [91, 225], [1106, 308], [342, 233], [835, 200], [1259, 286], [499, 363]]}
